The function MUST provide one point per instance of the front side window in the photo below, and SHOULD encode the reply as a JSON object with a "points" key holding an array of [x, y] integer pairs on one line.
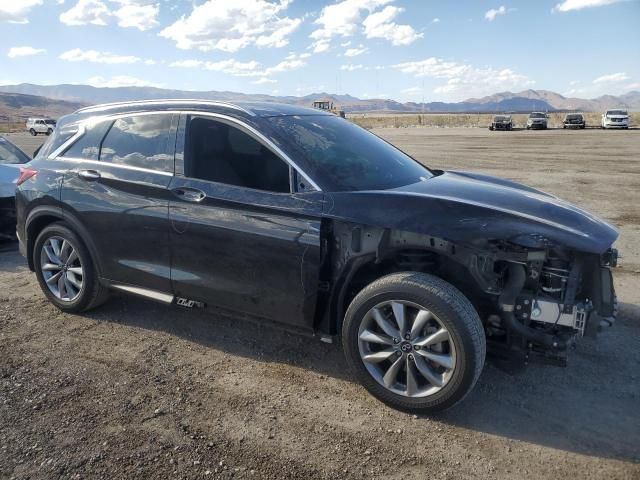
{"points": [[219, 152], [144, 141], [344, 157]]}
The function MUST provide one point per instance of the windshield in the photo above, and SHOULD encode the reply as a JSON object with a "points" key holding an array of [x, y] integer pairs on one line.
{"points": [[574, 117], [537, 115], [616, 112], [10, 154], [344, 157], [500, 118]]}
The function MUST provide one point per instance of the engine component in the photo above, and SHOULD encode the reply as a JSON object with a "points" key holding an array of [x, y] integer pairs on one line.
{"points": [[555, 313]]}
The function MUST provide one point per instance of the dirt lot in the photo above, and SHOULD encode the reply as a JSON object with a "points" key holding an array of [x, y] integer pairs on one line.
{"points": [[135, 389]]}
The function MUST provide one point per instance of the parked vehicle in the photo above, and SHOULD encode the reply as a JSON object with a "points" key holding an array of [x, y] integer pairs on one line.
{"points": [[501, 122], [296, 216], [40, 125], [11, 158], [537, 120], [615, 119], [574, 120]]}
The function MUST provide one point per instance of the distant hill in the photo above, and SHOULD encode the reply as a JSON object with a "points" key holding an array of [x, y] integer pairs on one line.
{"points": [[18, 107], [525, 101]]}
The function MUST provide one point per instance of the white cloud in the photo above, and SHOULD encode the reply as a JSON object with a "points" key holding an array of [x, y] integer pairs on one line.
{"points": [[320, 46], [15, 52], [93, 56], [345, 18], [435, 20], [140, 14], [354, 52], [351, 67], [263, 81], [612, 78], [381, 25], [17, 11], [569, 5], [493, 13], [86, 12], [632, 86], [464, 79], [233, 25], [245, 69], [120, 81]]}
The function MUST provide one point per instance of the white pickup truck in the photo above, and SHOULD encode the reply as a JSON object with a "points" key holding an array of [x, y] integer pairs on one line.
{"points": [[615, 119]]}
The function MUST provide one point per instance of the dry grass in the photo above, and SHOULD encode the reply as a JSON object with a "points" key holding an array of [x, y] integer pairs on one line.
{"points": [[12, 127], [372, 120]]}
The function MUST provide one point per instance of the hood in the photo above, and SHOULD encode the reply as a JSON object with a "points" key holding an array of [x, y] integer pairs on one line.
{"points": [[473, 208]]}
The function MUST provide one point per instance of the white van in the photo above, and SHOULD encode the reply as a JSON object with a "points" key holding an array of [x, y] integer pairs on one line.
{"points": [[41, 125]]}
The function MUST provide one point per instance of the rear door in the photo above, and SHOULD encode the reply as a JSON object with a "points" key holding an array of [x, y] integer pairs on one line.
{"points": [[116, 186], [240, 239]]}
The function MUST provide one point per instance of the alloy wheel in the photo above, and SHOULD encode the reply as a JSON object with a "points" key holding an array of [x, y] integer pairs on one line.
{"points": [[61, 268], [406, 348]]}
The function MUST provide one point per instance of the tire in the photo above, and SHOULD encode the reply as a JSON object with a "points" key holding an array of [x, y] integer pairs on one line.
{"points": [[447, 309], [49, 132], [33, 132], [91, 294]]}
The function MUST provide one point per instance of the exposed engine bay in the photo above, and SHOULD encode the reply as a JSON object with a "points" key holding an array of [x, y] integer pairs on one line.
{"points": [[533, 300]]}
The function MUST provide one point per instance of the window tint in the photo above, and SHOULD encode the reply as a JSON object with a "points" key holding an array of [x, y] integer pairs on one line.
{"points": [[218, 152], [11, 154], [140, 141], [343, 156], [87, 146]]}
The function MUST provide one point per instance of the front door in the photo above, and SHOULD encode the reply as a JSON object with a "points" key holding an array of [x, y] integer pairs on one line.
{"points": [[239, 238]]}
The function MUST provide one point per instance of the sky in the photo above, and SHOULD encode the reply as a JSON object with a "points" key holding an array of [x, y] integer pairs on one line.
{"points": [[406, 50]]}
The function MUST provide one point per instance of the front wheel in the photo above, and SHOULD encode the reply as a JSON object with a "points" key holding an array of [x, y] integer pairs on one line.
{"points": [[66, 271], [49, 132], [33, 132], [414, 342]]}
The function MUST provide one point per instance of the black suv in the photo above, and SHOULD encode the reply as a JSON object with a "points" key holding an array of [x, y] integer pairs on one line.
{"points": [[299, 217]]}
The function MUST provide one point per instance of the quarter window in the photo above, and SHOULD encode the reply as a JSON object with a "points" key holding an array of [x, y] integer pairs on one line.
{"points": [[219, 152], [143, 141], [88, 145]]}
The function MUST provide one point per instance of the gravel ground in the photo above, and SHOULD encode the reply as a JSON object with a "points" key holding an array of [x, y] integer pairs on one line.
{"points": [[136, 389]]}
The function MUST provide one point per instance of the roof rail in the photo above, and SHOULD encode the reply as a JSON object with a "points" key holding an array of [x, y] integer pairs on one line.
{"points": [[186, 101]]}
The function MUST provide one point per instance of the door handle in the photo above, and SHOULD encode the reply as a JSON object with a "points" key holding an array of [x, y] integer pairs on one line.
{"points": [[89, 175], [189, 194]]}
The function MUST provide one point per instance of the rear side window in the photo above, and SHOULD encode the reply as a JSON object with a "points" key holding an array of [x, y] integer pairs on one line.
{"points": [[56, 140], [10, 154], [144, 141], [87, 147]]}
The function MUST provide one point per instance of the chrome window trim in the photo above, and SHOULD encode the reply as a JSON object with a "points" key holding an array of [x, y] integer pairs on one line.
{"points": [[261, 137], [173, 102], [82, 129], [118, 165]]}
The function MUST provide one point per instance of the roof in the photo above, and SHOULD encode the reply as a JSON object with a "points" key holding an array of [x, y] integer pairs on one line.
{"points": [[244, 109]]}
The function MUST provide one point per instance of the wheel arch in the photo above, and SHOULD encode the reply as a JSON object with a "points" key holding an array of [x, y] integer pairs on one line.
{"points": [[41, 217], [378, 252]]}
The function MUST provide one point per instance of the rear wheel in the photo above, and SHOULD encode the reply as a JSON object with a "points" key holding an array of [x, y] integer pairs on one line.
{"points": [[414, 341], [49, 132], [65, 270]]}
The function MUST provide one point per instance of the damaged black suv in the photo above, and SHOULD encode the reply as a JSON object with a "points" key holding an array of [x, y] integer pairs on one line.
{"points": [[296, 216]]}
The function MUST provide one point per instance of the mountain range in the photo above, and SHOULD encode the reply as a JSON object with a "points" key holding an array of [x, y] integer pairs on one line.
{"points": [[60, 99]]}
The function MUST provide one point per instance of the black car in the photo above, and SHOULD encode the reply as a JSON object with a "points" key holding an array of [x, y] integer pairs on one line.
{"points": [[501, 122], [296, 216], [11, 159], [574, 120]]}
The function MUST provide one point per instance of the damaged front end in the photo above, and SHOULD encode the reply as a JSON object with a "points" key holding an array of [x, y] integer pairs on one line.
{"points": [[550, 297]]}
